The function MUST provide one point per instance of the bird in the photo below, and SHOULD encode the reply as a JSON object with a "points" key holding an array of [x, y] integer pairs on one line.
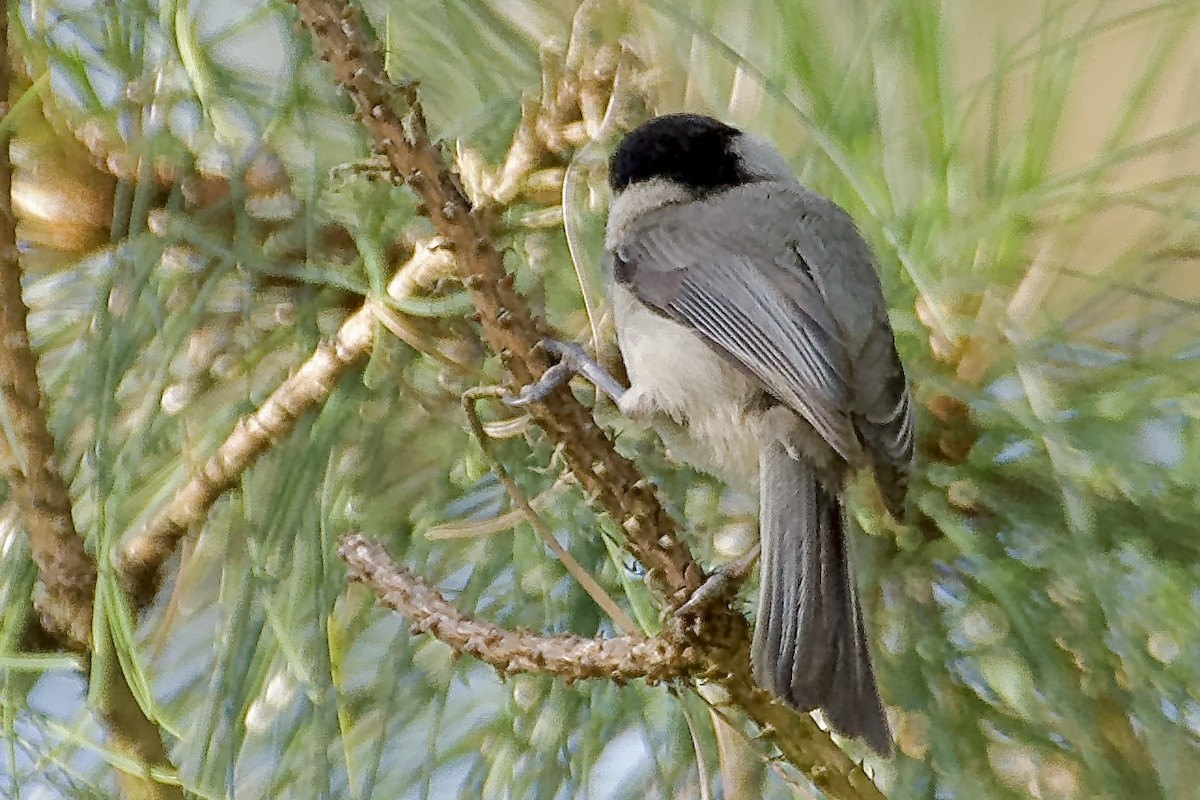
{"points": [[754, 331]]}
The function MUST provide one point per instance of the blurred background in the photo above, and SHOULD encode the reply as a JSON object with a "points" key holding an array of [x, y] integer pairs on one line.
{"points": [[196, 212]]}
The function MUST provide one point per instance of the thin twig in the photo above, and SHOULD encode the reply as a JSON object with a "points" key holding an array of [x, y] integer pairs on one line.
{"points": [[474, 529], [311, 385], [622, 658], [585, 579]]}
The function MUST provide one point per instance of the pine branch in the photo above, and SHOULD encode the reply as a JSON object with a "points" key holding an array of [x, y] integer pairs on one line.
{"points": [[575, 658], [66, 571], [134, 735], [310, 386], [392, 114]]}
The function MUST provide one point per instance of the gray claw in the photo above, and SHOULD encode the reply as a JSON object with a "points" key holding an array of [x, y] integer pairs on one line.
{"points": [[716, 585], [571, 353], [540, 389], [723, 580], [568, 354], [572, 360]]}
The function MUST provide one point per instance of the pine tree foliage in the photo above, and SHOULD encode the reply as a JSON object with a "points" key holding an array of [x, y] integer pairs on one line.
{"points": [[198, 213]]}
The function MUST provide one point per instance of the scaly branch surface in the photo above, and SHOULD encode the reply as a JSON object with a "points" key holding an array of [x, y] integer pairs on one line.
{"points": [[393, 116], [575, 658], [67, 573]]}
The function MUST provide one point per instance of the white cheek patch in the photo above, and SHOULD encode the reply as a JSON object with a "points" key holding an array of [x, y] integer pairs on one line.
{"points": [[760, 158]]}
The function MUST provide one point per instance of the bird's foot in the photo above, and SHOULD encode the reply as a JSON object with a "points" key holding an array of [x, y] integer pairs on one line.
{"points": [[723, 581], [572, 360]]}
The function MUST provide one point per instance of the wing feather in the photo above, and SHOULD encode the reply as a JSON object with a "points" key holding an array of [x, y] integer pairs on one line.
{"points": [[779, 280]]}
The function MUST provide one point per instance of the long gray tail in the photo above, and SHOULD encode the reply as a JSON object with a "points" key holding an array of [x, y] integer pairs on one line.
{"points": [[810, 644]]}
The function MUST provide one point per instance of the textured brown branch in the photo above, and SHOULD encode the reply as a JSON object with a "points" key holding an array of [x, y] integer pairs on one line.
{"points": [[311, 385], [621, 659], [67, 573], [393, 117], [132, 734]]}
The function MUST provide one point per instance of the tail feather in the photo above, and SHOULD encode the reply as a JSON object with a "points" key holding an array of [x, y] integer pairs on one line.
{"points": [[810, 643]]}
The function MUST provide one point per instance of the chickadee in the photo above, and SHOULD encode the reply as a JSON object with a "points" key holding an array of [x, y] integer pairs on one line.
{"points": [[756, 338]]}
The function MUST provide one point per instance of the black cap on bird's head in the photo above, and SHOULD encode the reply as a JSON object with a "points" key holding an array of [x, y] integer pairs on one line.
{"points": [[689, 149]]}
